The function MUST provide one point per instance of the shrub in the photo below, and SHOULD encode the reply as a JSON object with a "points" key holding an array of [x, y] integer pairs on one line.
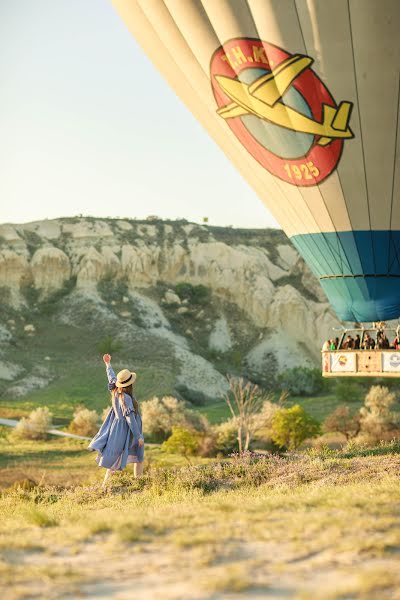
{"points": [[109, 345], [195, 397], [376, 416], [227, 436], [161, 415], [291, 426], [301, 381], [36, 426], [348, 391], [342, 420], [85, 422], [263, 420], [195, 294], [181, 441]]}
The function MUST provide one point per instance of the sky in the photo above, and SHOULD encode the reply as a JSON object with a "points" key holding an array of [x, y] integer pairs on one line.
{"points": [[88, 126]]}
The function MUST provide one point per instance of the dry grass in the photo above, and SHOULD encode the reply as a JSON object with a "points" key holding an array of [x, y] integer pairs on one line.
{"points": [[307, 527]]}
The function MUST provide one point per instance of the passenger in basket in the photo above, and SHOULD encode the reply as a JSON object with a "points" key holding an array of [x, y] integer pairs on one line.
{"points": [[348, 344], [384, 342], [357, 342], [326, 346]]}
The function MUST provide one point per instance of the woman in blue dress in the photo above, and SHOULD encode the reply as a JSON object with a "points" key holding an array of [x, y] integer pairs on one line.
{"points": [[120, 439]]}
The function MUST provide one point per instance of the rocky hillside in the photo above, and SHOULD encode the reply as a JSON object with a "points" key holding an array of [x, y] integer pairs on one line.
{"points": [[190, 302]]}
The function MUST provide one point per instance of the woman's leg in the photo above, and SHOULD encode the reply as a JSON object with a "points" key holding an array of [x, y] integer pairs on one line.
{"points": [[108, 474], [137, 469]]}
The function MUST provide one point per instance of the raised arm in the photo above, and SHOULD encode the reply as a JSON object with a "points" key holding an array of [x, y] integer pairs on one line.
{"points": [[110, 372]]}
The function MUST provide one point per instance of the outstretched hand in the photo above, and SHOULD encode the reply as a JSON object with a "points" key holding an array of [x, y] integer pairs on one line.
{"points": [[107, 358]]}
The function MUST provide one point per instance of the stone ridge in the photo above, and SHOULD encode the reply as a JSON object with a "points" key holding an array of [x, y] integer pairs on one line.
{"points": [[258, 271]]}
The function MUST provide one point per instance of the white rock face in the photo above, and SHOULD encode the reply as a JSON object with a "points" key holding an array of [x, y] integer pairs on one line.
{"points": [[13, 269], [142, 255], [220, 338], [171, 298], [50, 268], [288, 255], [5, 335], [9, 371]]}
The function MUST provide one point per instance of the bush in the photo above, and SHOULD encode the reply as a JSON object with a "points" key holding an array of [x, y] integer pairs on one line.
{"points": [[36, 426], [342, 420], [264, 421], [85, 422], [161, 415], [195, 294], [182, 441], [301, 381], [291, 426], [348, 391], [376, 416], [227, 436], [109, 345], [195, 397]]}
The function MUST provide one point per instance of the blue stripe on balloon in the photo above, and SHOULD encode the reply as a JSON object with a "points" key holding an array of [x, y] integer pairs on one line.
{"points": [[367, 269]]}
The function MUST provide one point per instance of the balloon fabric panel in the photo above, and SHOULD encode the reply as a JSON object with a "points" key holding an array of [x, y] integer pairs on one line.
{"points": [[303, 97]]}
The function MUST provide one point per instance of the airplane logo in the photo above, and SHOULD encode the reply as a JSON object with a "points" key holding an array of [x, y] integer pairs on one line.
{"points": [[280, 110], [263, 98]]}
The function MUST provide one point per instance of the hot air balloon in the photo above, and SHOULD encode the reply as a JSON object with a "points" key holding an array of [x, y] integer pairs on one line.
{"points": [[303, 97]]}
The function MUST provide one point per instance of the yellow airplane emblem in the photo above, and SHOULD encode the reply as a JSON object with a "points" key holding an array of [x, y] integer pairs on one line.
{"points": [[263, 98]]}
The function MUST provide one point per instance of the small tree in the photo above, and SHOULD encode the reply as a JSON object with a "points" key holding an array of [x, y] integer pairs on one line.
{"points": [[376, 416], [244, 400], [36, 426], [182, 441], [291, 426], [343, 421], [85, 422]]}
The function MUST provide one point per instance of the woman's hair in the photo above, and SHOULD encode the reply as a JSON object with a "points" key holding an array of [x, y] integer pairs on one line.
{"points": [[120, 393]]}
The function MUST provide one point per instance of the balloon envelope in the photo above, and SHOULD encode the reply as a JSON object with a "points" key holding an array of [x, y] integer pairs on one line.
{"points": [[303, 97]]}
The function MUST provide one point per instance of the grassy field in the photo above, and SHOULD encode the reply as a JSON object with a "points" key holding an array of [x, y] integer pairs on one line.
{"points": [[318, 406], [308, 527], [64, 461]]}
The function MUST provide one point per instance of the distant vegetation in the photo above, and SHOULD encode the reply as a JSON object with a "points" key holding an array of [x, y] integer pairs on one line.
{"points": [[301, 381]]}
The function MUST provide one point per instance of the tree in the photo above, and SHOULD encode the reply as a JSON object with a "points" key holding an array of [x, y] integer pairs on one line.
{"points": [[182, 441], [342, 420], [244, 400], [291, 426]]}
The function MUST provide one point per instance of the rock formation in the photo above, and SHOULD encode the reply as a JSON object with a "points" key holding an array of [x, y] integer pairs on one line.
{"points": [[257, 271]]}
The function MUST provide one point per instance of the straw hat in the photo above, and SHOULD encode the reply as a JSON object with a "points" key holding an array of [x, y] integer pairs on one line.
{"points": [[125, 378]]}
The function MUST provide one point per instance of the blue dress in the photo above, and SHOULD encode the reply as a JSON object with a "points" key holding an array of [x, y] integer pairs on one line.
{"points": [[117, 440]]}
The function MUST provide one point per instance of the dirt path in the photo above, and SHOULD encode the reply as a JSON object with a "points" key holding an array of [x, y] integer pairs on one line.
{"points": [[14, 423]]}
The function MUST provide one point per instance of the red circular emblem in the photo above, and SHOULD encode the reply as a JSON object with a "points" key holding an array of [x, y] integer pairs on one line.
{"points": [[279, 109]]}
